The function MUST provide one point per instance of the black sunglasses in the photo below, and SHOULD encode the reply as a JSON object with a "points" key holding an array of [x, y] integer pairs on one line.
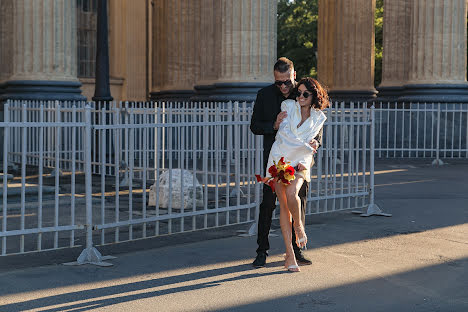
{"points": [[305, 94], [287, 83]]}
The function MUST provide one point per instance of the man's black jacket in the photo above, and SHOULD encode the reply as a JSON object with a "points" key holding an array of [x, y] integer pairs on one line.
{"points": [[267, 107]]}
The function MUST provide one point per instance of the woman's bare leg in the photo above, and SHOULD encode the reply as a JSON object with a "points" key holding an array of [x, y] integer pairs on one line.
{"points": [[286, 227], [294, 205]]}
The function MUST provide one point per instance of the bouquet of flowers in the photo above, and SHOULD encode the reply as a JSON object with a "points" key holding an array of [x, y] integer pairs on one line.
{"points": [[280, 171]]}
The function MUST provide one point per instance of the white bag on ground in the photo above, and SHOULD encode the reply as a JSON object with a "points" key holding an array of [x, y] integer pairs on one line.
{"points": [[191, 191]]}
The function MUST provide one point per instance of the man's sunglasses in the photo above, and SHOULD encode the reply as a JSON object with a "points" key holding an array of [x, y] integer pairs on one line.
{"points": [[287, 83], [305, 94]]}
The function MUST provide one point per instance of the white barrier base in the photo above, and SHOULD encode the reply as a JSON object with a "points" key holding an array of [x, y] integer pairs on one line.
{"points": [[92, 256], [437, 162], [372, 210], [252, 231]]}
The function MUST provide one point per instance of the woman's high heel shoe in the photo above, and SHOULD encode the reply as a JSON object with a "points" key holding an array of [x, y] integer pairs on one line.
{"points": [[301, 237], [291, 267]]}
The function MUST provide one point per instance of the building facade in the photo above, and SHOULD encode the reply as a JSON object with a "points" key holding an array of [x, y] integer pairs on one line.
{"points": [[225, 49]]}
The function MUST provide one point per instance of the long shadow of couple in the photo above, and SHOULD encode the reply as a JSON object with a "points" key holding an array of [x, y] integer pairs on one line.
{"points": [[118, 293]]}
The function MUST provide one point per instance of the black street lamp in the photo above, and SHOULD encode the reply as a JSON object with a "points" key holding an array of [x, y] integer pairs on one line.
{"points": [[102, 86]]}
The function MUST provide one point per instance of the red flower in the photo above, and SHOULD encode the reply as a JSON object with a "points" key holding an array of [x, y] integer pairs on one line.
{"points": [[273, 171], [290, 170]]}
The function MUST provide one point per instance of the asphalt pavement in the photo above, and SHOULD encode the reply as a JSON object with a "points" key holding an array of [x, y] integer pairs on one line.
{"points": [[416, 260]]}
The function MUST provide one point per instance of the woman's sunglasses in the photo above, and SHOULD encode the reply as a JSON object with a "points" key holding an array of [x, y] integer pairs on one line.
{"points": [[287, 83], [305, 94]]}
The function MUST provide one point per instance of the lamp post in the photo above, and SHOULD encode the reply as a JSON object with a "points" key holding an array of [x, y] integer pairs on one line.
{"points": [[102, 88]]}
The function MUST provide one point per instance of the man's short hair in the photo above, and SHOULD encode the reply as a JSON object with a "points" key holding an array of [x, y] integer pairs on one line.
{"points": [[283, 65]]}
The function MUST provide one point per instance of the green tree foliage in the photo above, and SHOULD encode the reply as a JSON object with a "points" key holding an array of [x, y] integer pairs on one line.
{"points": [[378, 42], [297, 35]]}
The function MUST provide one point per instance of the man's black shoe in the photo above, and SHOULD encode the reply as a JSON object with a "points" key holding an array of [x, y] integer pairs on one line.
{"points": [[260, 260], [301, 258]]}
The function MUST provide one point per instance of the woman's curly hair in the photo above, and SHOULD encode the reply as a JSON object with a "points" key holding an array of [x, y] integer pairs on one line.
{"points": [[320, 99]]}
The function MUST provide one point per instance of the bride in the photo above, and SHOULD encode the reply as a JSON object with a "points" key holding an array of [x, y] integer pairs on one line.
{"points": [[295, 142]]}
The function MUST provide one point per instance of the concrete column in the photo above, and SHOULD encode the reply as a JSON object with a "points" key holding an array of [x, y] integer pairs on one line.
{"points": [[175, 48], [135, 88], [128, 49], [210, 33], [41, 63], [326, 42], [248, 48], [437, 71], [352, 72], [396, 43]]}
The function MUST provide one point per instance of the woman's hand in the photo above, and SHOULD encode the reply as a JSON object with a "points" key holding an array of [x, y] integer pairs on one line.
{"points": [[279, 119], [300, 167], [314, 144]]}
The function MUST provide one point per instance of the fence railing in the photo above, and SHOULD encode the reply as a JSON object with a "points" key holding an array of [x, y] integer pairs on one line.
{"points": [[421, 130], [99, 175]]}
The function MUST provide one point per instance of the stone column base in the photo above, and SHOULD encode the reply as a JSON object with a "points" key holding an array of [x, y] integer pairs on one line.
{"points": [[203, 92], [172, 95], [41, 90], [443, 93], [389, 94], [229, 91], [352, 95]]}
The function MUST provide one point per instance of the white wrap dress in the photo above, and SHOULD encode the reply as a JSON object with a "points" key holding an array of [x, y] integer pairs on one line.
{"points": [[291, 142]]}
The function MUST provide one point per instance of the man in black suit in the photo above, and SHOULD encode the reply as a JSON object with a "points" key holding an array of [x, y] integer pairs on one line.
{"points": [[265, 121]]}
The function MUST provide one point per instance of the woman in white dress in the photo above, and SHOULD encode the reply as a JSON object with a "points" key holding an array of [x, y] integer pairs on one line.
{"points": [[295, 142]]}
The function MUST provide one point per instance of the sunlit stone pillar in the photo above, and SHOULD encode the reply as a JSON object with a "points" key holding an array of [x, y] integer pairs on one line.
{"points": [[326, 42], [350, 76], [248, 48], [437, 71], [210, 35], [39, 61], [176, 48], [396, 43]]}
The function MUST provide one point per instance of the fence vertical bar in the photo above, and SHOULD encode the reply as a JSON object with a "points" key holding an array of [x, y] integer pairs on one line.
{"points": [[237, 155], [40, 177], [206, 128], [453, 130], [342, 152], [130, 164], [117, 150], [217, 161], [437, 161], [102, 151], [228, 157], [23, 174], [89, 255], [88, 180], [169, 151], [73, 177], [365, 118], [57, 170], [372, 209], [144, 149], [6, 136]]}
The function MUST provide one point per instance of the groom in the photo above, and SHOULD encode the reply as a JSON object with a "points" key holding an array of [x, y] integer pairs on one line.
{"points": [[266, 118]]}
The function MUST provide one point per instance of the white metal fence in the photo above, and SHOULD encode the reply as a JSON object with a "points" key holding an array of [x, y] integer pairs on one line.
{"points": [[137, 170], [421, 130]]}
